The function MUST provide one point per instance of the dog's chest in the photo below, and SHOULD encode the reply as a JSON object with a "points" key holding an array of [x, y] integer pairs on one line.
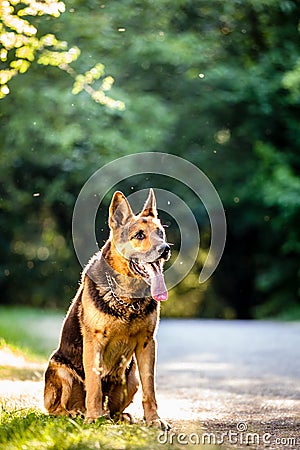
{"points": [[116, 354], [118, 341]]}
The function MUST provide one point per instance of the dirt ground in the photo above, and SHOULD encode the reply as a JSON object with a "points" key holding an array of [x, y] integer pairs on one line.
{"points": [[235, 384]]}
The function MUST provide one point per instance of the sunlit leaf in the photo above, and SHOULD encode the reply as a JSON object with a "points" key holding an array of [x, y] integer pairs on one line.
{"points": [[20, 42]]}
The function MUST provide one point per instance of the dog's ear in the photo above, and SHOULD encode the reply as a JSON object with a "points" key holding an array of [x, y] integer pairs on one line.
{"points": [[150, 206], [119, 210]]}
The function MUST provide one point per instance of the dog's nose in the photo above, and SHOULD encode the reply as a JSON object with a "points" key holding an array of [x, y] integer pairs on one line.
{"points": [[165, 251]]}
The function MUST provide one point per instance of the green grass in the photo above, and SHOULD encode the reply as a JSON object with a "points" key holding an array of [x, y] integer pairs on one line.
{"points": [[29, 430], [32, 331]]}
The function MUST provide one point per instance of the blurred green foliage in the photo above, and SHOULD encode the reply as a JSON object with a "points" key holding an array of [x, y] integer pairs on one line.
{"points": [[212, 81], [22, 43]]}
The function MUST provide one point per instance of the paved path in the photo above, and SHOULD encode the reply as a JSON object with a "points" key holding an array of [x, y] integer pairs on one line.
{"points": [[232, 377], [238, 382]]}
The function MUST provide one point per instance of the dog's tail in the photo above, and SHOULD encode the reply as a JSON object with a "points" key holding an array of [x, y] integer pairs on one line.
{"points": [[58, 388], [52, 391]]}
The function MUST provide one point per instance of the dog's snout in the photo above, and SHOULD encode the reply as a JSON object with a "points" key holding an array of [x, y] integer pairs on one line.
{"points": [[165, 251]]}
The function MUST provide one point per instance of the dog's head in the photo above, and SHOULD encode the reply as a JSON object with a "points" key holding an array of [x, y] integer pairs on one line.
{"points": [[141, 241]]}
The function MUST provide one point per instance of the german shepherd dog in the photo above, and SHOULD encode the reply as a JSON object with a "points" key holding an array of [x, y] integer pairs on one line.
{"points": [[111, 324]]}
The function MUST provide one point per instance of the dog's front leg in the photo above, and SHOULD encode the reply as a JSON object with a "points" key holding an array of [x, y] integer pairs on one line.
{"points": [[146, 355], [92, 364]]}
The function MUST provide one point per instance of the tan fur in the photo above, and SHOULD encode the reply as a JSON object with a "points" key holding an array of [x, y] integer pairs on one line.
{"points": [[106, 333]]}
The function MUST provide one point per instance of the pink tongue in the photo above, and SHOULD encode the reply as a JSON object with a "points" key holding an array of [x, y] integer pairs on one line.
{"points": [[158, 288]]}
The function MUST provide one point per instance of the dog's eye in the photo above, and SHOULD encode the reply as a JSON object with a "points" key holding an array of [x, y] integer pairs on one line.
{"points": [[140, 235]]}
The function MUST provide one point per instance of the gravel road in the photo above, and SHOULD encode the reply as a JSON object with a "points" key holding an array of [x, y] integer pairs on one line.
{"points": [[238, 382]]}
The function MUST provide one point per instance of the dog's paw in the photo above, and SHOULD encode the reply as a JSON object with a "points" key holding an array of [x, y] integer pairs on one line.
{"points": [[125, 418], [91, 419], [159, 423], [94, 418], [75, 413]]}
